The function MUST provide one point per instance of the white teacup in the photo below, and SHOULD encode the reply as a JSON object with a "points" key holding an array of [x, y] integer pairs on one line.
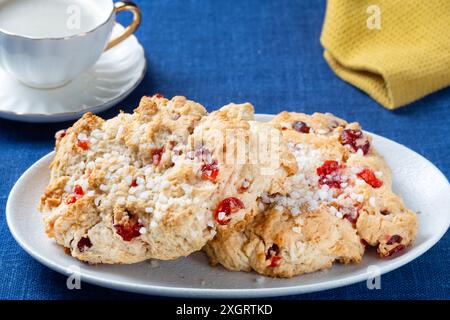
{"points": [[47, 43]]}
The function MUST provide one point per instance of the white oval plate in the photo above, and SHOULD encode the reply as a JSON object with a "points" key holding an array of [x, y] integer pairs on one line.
{"points": [[423, 187], [115, 75]]}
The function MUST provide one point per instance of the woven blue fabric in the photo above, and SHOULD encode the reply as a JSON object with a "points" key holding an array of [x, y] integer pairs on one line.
{"points": [[266, 52]]}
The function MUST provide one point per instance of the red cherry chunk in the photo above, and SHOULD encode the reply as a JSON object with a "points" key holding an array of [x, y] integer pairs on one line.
{"points": [[300, 126], [369, 177], [394, 239], [328, 167], [274, 262], [134, 183], [84, 243], [329, 174], [158, 95], [128, 231], [210, 171], [75, 195], [272, 254], [78, 190], [156, 155], [356, 140], [272, 251], [70, 199], [83, 144], [352, 218], [395, 250], [225, 208], [351, 213]]}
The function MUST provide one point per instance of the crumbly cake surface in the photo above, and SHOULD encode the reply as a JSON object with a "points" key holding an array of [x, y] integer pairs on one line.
{"points": [[339, 201], [152, 184], [282, 198]]}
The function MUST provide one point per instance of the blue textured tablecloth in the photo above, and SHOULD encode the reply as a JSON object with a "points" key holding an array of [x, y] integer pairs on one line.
{"points": [[264, 52]]}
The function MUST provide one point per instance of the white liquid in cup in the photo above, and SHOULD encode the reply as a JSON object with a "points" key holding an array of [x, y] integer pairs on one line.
{"points": [[50, 18], [47, 43]]}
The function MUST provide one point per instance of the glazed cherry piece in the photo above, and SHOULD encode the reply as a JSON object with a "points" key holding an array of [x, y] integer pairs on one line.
{"points": [[395, 250], [328, 167], [394, 239], [83, 144], [128, 231], [272, 254], [272, 251], [210, 171], [300, 126], [134, 183], [329, 175], [156, 155], [225, 208], [173, 143], [70, 199], [274, 262], [352, 218], [158, 95], [351, 213], [84, 243], [356, 140], [78, 190], [369, 177], [77, 193]]}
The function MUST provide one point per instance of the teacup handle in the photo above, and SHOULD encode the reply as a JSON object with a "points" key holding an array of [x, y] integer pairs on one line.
{"points": [[125, 6]]}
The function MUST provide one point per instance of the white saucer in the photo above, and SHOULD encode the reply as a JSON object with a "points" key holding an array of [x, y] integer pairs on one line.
{"points": [[116, 74], [423, 187]]}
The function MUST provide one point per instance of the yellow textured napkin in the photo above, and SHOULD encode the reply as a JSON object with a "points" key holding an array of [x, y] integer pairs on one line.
{"points": [[395, 50]]}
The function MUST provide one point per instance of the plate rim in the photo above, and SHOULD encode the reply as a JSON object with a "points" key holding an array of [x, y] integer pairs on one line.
{"points": [[174, 291]]}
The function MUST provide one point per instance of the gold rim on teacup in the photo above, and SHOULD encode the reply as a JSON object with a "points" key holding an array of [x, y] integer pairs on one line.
{"points": [[57, 60], [118, 7]]}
